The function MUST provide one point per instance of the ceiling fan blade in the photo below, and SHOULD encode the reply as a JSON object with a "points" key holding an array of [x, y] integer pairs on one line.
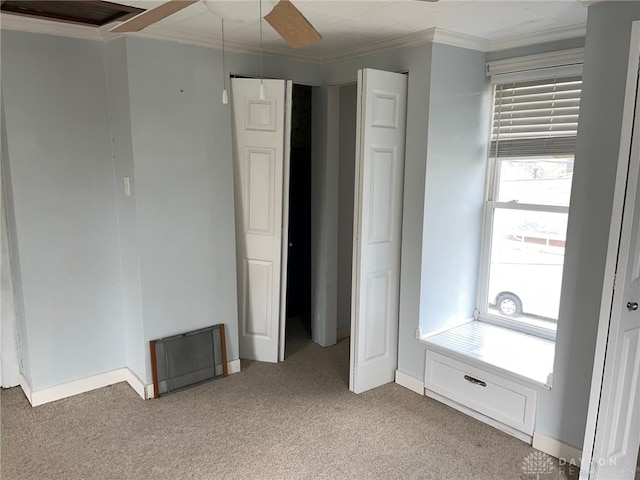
{"points": [[296, 30], [153, 15]]}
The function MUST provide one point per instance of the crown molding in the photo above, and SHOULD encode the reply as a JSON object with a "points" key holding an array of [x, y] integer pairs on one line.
{"points": [[412, 40], [37, 25], [537, 38], [588, 3], [407, 41], [432, 35], [460, 40], [229, 46]]}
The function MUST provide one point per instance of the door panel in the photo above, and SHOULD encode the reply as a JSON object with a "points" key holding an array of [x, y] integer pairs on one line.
{"points": [[259, 140], [377, 227], [383, 161], [257, 292], [377, 313], [260, 191]]}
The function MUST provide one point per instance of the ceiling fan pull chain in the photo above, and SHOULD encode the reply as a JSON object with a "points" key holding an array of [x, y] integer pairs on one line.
{"points": [[262, 93], [225, 95]]}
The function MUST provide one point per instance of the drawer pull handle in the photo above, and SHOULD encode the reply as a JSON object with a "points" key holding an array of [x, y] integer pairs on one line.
{"points": [[475, 381]]}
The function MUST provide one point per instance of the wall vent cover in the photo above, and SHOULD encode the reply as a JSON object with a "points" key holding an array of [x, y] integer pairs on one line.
{"points": [[188, 359]]}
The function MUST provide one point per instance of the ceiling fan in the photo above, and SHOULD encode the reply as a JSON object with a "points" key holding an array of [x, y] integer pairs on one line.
{"points": [[282, 15]]}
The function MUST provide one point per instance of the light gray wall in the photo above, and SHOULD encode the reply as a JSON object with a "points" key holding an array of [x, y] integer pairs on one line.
{"points": [[562, 411], [126, 269], [57, 125], [346, 179], [183, 170], [9, 369], [9, 324], [324, 220], [457, 139], [182, 163], [122, 153]]}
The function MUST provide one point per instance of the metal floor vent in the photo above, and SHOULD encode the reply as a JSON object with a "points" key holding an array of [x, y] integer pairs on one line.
{"points": [[188, 359]]}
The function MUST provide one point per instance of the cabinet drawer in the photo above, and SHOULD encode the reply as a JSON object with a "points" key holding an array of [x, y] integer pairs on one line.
{"points": [[496, 397]]}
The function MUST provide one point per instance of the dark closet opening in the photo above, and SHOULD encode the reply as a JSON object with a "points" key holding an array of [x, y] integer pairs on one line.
{"points": [[299, 263]]}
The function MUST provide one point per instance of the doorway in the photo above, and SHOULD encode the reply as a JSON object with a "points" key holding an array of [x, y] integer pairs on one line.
{"points": [[298, 303], [298, 293]]}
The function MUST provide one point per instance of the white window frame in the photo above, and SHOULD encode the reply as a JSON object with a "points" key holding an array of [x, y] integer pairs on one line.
{"points": [[490, 205], [535, 67]]}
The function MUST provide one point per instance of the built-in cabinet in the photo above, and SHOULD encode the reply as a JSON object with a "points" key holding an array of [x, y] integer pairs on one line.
{"points": [[469, 387]]}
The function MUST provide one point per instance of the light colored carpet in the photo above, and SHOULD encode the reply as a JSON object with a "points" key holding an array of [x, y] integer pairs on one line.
{"points": [[292, 420]]}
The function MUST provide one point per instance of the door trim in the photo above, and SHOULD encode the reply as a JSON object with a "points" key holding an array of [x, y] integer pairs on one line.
{"points": [[284, 259]]}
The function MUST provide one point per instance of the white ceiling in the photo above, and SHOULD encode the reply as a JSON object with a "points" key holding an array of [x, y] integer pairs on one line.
{"points": [[353, 27], [356, 24]]}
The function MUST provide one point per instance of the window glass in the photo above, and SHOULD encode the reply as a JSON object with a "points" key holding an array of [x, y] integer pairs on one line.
{"points": [[535, 181], [525, 270]]}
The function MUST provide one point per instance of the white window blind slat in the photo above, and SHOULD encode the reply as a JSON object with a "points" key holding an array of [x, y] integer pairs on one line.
{"points": [[541, 112], [536, 106], [537, 118], [541, 86]]}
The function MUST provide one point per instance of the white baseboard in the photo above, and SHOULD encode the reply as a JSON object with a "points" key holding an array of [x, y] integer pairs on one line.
{"points": [[407, 381], [233, 366], [134, 382], [26, 387], [479, 416], [343, 332], [75, 387], [556, 448]]}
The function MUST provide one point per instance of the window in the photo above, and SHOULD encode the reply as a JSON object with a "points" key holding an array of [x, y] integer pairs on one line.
{"points": [[529, 184]]}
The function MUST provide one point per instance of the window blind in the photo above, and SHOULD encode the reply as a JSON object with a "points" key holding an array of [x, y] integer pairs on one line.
{"points": [[538, 118]]}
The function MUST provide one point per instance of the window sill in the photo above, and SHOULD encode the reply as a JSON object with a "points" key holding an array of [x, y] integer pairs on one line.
{"points": [[523, 357]]}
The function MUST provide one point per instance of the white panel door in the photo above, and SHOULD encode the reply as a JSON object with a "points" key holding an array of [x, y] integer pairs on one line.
{"points": [[618, 426], [382, 104], [259, 133]]}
